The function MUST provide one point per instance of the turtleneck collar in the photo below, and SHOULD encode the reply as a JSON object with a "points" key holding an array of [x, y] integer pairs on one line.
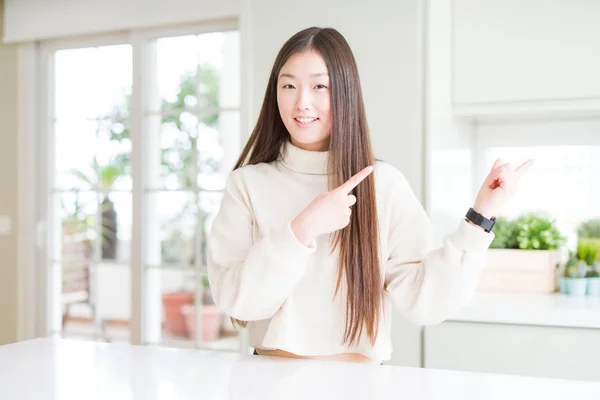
{"points": [[304, 161]]}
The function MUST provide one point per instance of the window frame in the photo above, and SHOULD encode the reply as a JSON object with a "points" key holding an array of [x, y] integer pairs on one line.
{"points": [[40, 158]]}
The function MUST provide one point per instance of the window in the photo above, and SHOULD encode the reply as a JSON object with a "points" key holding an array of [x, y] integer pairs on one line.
{"points": [[105, 266], [192, 142], [90, 191], [563, 183]]}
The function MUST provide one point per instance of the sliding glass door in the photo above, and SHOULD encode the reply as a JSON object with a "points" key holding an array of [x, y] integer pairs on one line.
{"points": [[142, 131]]}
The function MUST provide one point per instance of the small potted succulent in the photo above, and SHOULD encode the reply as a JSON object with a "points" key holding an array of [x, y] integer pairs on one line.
{"points": [[576, 282], [587, 252], [570, 269], [590, 230], [581, 274], [593, 278]]}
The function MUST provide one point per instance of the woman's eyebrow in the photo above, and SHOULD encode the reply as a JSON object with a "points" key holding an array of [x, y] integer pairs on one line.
{"points": [[286, 75]]}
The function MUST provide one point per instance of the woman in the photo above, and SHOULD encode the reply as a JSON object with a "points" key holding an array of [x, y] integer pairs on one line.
{"points": [[315, 240]]}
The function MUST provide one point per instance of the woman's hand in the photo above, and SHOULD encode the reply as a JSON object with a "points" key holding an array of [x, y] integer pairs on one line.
{"points": [[501, 183], [329, 211]]}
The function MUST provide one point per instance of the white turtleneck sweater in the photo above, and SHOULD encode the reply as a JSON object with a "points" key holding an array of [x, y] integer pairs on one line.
{"points": [[259, 272]]}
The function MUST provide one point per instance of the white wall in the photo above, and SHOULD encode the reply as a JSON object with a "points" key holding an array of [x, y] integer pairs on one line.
{"points": [[510, 74], [564, 180], [525, 51], [8, 192], [386, 39], [504, 74], [27, 20], [449, 181]]}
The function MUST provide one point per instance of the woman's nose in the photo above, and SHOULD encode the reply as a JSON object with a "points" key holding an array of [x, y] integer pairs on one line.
{"points": [[303, 101]]}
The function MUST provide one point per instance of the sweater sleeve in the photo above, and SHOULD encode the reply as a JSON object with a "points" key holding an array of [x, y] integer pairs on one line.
{"points": [[429, 285], [249, 279]]}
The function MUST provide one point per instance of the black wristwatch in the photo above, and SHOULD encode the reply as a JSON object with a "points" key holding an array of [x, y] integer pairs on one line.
{"points": [[479, 220]]}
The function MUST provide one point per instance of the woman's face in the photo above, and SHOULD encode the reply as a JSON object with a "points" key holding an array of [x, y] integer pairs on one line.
{"points": [[304, 100]]}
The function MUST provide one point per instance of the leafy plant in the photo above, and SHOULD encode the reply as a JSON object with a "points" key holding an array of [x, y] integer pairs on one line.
{"points": [[198, 89], [103, 178], [587, 250], [592, 273], [589, 229], [529, 232], [538, 232], [76, 217], [571, 269], [572, 272], [207, 298], [505, 236]]}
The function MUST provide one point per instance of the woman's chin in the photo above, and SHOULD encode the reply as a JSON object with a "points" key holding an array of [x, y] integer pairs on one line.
{"points": [[320, 143]]}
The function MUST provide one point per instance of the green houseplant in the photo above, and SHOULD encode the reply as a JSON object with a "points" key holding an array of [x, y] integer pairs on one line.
{"points": [[180, 161], [103, 177], [587, 255], [570, 271], [589, 229], [524, 255], [574, 282], [528, 232], [505, 236], [538, 232]]}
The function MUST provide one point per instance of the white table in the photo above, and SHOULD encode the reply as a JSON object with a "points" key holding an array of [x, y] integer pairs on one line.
{"points": [[44, 369]]}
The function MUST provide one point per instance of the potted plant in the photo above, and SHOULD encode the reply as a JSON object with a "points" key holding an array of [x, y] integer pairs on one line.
{"points": [[574, 282], [569, 270], [575, 271], [173, 302], [211, 316], [103, 177], [524, 256], [589, 229], [587, 254], [77, 224], [593, 278]]}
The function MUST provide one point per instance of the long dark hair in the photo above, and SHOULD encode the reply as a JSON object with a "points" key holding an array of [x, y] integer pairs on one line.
{"points": [[349, 152]]}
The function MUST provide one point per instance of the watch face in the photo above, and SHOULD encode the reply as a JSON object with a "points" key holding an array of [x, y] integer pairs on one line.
{"points": [[488, 225]]}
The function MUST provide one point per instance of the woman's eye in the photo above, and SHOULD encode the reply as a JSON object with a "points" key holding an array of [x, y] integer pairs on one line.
{"points": [[321, 87], [288, 86]]}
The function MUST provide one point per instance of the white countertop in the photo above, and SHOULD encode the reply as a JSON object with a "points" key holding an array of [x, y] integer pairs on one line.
{"points": [[45, 369], [532, 309]]}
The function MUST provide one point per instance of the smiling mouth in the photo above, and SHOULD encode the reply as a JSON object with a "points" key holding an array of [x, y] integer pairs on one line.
{"points": [[306, 121]]}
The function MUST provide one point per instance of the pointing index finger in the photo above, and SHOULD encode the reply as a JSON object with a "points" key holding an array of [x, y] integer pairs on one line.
{"points": [[353, 182], [524, 167]]}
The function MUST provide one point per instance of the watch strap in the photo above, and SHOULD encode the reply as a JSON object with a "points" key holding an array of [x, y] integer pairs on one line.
{"points": [[479, 220]]}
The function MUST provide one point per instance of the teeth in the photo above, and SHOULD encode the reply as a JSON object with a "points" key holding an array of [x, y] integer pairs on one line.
{"points": [[305, 120]]}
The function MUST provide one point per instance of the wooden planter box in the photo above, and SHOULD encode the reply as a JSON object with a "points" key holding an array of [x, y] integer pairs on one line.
{"points": [[521, 271]]}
